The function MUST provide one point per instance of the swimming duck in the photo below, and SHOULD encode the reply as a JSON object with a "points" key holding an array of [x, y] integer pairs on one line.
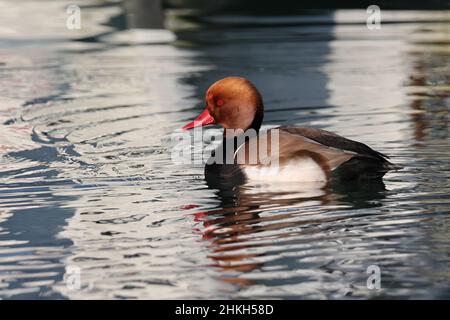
{"points": [[302, 154]]}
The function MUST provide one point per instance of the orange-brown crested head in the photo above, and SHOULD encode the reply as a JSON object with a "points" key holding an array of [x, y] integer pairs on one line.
{"points": [[233, 103]]}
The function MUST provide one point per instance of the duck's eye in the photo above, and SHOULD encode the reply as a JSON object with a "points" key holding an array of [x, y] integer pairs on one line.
{"points": [[219, 102]]}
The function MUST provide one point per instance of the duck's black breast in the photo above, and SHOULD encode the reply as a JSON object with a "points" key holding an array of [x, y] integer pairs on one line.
{"points": [[224, 175]]}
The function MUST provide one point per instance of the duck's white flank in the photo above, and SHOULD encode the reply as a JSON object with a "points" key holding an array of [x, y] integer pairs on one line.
{"points": [[303, 169]]}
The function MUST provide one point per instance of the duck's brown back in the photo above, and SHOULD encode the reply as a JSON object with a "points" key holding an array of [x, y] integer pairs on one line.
{"points": [[306, 149]]}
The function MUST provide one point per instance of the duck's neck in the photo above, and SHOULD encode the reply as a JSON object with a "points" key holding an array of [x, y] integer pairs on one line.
{"points": [[232, 142], [253, 128], [233, 139]]}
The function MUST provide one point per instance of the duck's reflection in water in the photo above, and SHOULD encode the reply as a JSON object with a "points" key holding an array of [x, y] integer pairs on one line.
{"points": [[255, 223]]}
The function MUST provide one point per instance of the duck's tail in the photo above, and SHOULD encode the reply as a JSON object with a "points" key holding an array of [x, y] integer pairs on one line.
{"points": [[362, 167]]}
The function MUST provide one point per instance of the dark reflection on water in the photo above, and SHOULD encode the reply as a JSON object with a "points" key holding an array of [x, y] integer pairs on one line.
{"points": [[263, 227], [87, 180]]}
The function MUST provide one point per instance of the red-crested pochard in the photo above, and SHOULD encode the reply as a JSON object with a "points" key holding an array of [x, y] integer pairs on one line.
{"points": [[303, 154]]}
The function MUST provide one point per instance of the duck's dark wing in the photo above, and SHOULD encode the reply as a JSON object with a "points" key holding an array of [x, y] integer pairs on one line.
{"points": [[333, 140], [365, 164], [287, 149]]}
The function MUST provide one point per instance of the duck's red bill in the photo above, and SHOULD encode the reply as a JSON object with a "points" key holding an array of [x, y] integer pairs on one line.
{"points": [[202, 120]]}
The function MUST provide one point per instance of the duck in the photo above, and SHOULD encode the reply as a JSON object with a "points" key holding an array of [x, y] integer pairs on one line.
{"points": [[302, 154]]}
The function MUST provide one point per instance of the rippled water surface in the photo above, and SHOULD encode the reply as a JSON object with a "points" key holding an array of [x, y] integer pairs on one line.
{"points": [[88, 187]]}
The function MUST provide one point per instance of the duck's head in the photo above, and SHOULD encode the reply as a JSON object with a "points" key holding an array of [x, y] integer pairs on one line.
{"points": [[233, 103]]}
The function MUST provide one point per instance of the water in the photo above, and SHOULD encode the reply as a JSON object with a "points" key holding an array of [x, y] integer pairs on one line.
{"points": [[88, 188]]}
